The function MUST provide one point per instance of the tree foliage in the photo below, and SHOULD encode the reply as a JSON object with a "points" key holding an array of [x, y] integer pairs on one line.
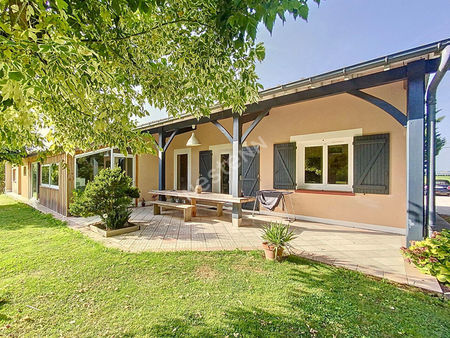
{"points": [[440, 140], [108, 195], [80, 71], [2, 176]]}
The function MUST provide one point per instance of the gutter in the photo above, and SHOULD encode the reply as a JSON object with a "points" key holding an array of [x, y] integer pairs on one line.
{"points": [[431, 137], [434, 47], [385, 61]]}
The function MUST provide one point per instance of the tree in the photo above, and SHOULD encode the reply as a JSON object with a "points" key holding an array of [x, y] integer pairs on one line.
{"points": [[440, 140], [77, 73], [2, 177], [108, 195]]}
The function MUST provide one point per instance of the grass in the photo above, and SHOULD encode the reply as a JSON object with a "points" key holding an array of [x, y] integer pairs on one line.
{"points": [[56, 282], [443, 178]]}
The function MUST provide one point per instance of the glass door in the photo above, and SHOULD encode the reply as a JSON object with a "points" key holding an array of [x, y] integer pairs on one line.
{"points": [[225, 173], [35, 180], [125, 163], [182, 172]]}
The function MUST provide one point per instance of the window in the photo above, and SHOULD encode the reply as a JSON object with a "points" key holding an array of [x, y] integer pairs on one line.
{"points": [[50, 175], [325, 160], [14, 175], [24, 171], [125, 163], [45, 175], [88, 166], [338, 164], [313, 164], [326, 166], [54, 174]]}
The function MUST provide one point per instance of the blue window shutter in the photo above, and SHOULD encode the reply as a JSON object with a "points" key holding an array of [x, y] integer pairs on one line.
{"points": [[371, 164], [284, 174]]}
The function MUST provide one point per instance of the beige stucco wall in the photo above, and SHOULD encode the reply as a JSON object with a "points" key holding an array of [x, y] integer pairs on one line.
{"points": [[25, 176], [21, 185], [339, 112], [15, 183], [147, 174], [8, 177]]}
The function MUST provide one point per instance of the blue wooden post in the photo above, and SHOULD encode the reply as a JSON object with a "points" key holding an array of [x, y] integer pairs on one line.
{"points": [[415, 151], [162, 163], [236, 215]]}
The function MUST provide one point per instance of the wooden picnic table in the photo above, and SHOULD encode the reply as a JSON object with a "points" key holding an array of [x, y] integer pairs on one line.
{"points": [[193, 197]]}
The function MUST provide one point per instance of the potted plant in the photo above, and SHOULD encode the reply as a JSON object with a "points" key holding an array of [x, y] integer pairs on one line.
{"points": [[109, 195], [276, 238], [143, 202]]}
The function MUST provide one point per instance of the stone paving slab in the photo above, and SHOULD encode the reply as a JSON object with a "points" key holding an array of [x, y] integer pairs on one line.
{"points": [[370, 252]]}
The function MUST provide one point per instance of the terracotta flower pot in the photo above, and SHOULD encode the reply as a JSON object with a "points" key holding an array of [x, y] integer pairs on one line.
{"points": [[269, 251], [280, 252]]}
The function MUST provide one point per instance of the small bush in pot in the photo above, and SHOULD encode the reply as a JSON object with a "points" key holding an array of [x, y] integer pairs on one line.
{"points": [[109, 196], [276, 236], [432, 255]]}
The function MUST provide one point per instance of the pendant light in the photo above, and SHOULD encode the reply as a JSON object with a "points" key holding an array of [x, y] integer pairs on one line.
{"points": [[193, 141]]}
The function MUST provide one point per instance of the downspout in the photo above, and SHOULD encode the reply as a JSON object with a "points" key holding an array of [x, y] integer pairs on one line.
{"points": [[431, 136]]}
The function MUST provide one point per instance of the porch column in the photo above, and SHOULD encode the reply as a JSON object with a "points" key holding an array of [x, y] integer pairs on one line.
{"points": [[415, 135], [162, 163], [236, 184]]}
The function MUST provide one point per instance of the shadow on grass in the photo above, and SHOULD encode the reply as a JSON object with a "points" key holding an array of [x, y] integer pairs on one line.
{"points": [[316, 299], [181, 327], [3, 317], [18, 216]]}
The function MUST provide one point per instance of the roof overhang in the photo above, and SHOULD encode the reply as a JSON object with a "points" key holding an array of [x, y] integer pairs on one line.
{"points": [[376, 72]]}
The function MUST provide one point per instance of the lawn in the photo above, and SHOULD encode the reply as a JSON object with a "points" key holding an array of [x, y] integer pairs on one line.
{"points": [[54, 281], [443, 178]]}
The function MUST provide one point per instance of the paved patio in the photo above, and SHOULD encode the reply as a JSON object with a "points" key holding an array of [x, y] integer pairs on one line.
{"points": [[443, 205], [370, 252]]}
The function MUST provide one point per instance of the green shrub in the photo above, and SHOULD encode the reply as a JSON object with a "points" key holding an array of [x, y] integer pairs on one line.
{"points": [[278, 235], [108, 195], [432, 255]]}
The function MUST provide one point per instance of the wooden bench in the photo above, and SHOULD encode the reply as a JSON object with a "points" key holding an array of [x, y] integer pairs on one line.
{"points": [[218, 205], [186, 208]]}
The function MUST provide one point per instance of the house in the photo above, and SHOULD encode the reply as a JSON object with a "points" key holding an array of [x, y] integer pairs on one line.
{"points": [[348, 145]]}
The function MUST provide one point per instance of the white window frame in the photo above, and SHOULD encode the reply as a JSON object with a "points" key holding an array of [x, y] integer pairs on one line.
{"points": [[49, 185], [112, 156], [84, 155], [177, 152], [324, 140], [217, 151], [120, 155], [30, 180]]}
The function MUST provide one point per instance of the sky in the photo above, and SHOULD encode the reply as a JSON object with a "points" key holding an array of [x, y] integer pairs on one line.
{"points": [[341, 33]]}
